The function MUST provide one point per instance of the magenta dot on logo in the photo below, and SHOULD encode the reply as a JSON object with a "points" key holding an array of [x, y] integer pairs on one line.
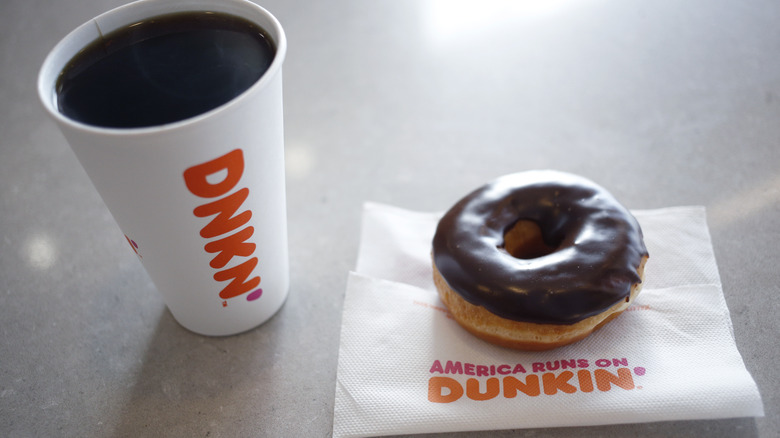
{"points": [[254, 295], [639, 371], [134, 244]]}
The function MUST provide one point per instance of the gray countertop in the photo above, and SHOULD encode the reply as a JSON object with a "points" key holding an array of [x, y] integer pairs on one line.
{"points": [[406, 102]]}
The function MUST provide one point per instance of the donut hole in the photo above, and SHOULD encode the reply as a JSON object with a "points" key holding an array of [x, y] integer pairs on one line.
{"points": [[524, 241]]}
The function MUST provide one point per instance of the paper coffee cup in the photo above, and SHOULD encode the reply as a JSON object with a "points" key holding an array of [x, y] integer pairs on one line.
{"points": [[202, 200]]}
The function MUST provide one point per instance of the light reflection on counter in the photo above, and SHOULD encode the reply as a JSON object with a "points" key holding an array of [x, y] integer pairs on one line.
{"points": [[299, 160], [744, 204], [446, 21], [39, 251]]}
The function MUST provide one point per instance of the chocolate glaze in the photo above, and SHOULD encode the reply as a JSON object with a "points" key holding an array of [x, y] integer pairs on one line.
{"points": [[598, 248]]}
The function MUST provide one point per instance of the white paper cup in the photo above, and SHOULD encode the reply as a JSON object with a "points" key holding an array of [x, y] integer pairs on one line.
{"points": [[201, 201]]}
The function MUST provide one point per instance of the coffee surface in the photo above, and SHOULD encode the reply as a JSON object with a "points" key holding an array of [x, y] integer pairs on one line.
{"points": [[164, 69]]}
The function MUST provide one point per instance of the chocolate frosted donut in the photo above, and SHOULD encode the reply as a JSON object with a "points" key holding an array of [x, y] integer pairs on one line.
{"points": [[537, 259]]}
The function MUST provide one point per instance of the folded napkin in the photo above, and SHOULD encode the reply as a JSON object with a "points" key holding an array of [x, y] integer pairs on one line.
{"points": [[405, 366]]}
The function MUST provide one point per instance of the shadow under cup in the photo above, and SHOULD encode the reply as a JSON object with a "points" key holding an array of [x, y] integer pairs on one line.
{"points": [[199, 197]]}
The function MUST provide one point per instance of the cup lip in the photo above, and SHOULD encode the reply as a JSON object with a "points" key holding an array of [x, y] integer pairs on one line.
{"points": [[47, 79]]}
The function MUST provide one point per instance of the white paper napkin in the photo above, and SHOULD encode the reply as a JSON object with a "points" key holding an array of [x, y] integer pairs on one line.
{"points": [[405, 366]]}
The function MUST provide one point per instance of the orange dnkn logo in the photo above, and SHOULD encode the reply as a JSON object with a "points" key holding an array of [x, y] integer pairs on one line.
{"points": [[215, 181]]}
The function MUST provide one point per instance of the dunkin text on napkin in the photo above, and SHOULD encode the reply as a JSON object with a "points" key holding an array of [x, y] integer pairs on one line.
{"points": [[405, 366]]}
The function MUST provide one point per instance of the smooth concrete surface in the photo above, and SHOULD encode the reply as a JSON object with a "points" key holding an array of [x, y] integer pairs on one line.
{"points": [[407, 102]]}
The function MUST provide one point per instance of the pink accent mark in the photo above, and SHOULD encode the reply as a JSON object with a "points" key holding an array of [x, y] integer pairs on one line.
{"points": [[254, 295]]}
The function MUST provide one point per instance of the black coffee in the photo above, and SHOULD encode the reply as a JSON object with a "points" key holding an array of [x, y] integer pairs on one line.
{"points": [[163, 70]]}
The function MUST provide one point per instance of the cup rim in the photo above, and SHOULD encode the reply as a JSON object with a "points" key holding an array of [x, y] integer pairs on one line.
{"points": [[53, 63]]}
